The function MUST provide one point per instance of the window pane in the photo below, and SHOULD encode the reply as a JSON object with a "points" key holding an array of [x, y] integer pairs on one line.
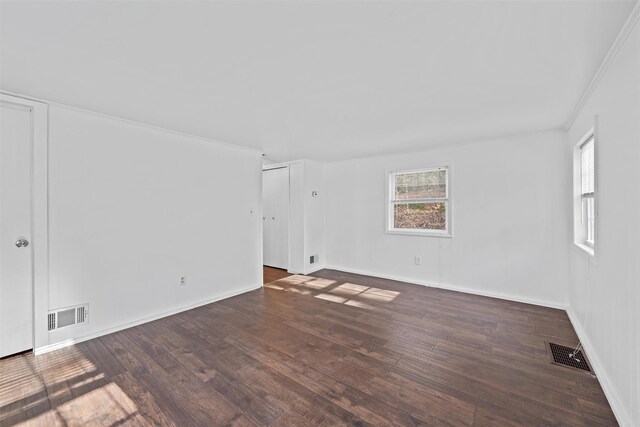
{"points": [[587, 166], [589, 222], [421, 185], [421, 216]]}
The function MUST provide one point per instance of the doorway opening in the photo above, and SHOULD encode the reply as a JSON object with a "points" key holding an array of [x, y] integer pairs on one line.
{"points": [[275, 221]]}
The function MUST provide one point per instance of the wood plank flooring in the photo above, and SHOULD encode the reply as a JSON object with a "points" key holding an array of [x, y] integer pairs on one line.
{"points": [[271, 274], [333, 349]]}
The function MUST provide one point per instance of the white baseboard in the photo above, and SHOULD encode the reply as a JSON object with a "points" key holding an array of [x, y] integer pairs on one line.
{"points": [[604, 380], [526, 300], [71, 341], [314, 269], [308, 270]]}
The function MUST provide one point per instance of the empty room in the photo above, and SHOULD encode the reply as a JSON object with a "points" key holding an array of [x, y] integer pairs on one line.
{"points": [[320, 213]]}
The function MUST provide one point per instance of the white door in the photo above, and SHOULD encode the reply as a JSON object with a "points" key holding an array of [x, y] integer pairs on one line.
{"points": [[275, 214], [16, 302]]}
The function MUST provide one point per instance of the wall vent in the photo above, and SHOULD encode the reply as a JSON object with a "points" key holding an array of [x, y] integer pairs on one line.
{"points": [[81, 314], [313, 259], [65, 317], [51, 321]]}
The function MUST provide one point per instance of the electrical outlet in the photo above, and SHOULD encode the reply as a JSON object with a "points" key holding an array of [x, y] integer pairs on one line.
{"points": [[418, 260], [183, 280]]}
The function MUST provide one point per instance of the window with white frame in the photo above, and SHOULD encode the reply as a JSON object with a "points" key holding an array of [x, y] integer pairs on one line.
{"points": [[585, 226], [419, 202]]}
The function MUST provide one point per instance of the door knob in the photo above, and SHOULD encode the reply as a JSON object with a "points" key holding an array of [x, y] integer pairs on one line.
{"points": [[21, 243]]}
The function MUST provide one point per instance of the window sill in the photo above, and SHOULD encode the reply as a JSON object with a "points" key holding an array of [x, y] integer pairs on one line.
{"points": [[588, 249], [422, 233]]}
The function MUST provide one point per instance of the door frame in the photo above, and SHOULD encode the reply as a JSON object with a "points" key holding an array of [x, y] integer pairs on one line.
{"points": [[284, 165], [39, 214]]}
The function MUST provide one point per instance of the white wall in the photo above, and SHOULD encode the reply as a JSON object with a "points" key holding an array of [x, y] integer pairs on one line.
{"points": [[604, 295], [314, 243], [510, 219], [133, 208], [296, 216], [306, 216]]}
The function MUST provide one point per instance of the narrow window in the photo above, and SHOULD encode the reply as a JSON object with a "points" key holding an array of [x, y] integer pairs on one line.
{"points": [[585, 218], [419, 202]]}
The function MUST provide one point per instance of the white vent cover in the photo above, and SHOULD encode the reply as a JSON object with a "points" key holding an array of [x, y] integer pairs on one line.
{"points": [[51, 321], [70, 316]]}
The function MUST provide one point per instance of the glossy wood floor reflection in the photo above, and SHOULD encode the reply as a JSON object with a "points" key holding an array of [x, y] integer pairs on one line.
{"points": [[334, 349]]}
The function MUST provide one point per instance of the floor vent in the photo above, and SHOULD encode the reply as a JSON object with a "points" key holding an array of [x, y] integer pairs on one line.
{"points": [[67, 317], [560, 355]]}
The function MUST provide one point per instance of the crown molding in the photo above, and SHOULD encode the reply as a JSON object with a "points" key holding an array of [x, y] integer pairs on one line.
{"points": [[132, 122], [623, 35]]}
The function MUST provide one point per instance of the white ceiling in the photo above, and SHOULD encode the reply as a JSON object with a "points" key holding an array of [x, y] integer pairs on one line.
{"points": [[321, 80]]}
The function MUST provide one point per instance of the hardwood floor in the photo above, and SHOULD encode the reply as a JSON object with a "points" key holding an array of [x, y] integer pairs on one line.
{"points": [[271, 274], [334, 349]]}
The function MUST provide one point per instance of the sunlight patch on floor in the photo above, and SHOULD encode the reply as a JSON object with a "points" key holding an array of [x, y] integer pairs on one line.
{"points": [[359, 304], [63, 365], [374, 294], [319, 283], [351, 294], [298, 291], [333, 298], [63, 386], [352, 287], [17, 373], [107, 405], [380, 294], [296, 279]]}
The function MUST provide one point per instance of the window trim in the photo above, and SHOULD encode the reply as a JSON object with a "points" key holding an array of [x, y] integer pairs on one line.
{"points": [[579, 238], [389, 194]]}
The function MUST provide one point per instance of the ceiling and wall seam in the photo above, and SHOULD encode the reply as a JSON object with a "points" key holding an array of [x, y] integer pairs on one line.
{"points": [[622, 37], [135, 123], [451, 145]]}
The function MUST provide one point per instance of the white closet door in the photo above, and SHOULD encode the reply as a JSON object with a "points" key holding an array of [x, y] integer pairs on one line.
{"points": [[16, 318], [275, 212]]}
